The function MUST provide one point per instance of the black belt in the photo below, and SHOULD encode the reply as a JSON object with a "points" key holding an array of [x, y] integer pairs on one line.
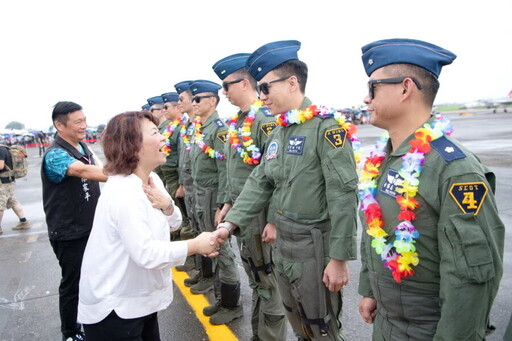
{"points": [[7, 179]]}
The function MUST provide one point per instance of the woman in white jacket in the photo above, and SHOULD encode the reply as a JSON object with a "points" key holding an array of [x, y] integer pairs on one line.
{"points": [[126, 277]]}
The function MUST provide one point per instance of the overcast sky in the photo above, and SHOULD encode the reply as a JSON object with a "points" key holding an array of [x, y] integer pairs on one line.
{"points": [[110, 56]]}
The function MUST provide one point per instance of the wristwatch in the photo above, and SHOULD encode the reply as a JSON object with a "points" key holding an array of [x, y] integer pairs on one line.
{"points": [[227, 227]]}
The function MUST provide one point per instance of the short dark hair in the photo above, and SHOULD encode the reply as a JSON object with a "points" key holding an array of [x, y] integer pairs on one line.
{"points": [[295, 68], [429, 82], [244, 73], [61, 110], [122, 141]]}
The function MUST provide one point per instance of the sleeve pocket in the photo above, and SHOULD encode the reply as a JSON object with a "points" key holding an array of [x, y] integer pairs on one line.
{"points": [[471, 251], [342, 166]]}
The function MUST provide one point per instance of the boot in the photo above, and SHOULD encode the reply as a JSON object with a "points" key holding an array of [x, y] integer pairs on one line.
{"points": [[204, 285], [189, 265], [230, 308], [211, 309], [188, 282]]}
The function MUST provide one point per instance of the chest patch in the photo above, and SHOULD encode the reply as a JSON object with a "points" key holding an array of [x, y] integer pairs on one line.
{"points": [[469, 196], [391, 182], [222, 136], [272, 151], [336, 137], [267, 128], [296, 145]]}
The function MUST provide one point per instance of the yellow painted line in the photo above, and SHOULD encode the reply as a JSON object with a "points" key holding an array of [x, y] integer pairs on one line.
{"points": [[198, 302]]}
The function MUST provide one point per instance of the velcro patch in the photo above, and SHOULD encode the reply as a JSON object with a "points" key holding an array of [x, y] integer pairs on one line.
{"points": [[222, 136], [272, 150], [469, 196], [219, 122], [266, 112], [447, 149], [268, 127], [336, 137], [296, 145], [391, 182]]}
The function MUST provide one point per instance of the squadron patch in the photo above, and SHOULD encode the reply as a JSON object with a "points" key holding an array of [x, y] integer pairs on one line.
{"points": [[296, 145], [272, 151], [469, 196], [391, 182], [336, 137], [267, 128], [222, 136]]}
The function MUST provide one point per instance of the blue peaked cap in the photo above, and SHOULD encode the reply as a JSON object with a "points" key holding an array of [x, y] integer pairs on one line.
{"points": [[230, 64], [405, 51], [270, 56], [155, 100], [201, 85], [170, 97], [145, 107], [182, 86]]}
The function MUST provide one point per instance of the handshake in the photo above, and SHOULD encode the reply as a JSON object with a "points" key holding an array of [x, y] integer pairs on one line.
{"points": [[208, 243]]}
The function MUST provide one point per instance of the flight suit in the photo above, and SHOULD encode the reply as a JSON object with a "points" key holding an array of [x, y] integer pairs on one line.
{"points": [[308, 172], [267, 320], [209, 175], [460, 249]]}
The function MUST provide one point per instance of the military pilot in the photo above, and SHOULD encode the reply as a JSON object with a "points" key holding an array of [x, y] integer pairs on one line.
{"points": [[247, 133], [209, 175], [433, 246], [308, 171]]}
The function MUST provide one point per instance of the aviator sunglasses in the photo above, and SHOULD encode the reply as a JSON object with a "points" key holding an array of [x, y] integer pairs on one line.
{"points": [[263, 87]]}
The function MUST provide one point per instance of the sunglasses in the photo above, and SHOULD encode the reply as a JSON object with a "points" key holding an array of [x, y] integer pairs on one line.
{"points": [[154, 109], [197, 99], [371, 84], [225, 85], [263, 87]]}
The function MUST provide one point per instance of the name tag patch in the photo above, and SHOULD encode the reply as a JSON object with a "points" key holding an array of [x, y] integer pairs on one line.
{"points": [[272, 150], [336, 137], [267, 128], [222, 136], [391, 182], [469, 196], [296, 145]]}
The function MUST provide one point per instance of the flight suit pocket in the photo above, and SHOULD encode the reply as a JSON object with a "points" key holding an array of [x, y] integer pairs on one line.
{"points": [[342, 166], [471, 251]]}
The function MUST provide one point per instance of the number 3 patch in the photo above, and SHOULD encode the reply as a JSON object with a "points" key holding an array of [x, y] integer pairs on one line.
{"points": [[336, 137], [469, 196]]}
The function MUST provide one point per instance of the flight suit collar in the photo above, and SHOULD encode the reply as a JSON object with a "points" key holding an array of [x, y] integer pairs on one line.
{"points": [[306, 103], [210, 119]]}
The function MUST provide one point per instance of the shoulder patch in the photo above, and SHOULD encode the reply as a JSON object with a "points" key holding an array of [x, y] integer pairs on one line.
{"points": [[336, 137], [223, 136], [469, 196], [266, 111], [448, 150], [219, 122], [267, 128]]}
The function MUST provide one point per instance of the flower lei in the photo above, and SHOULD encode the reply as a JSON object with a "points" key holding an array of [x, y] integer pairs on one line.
{"points": [[399, 256], [300, 116], [183, 135], [169, 129], [199, 140], [248, 151]]}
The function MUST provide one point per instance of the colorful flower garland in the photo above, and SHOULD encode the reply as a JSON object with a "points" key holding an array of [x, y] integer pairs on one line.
{"points": [[199, 140], [183, 135], [169, 129], [248, 151], [300, 116], [401, 255]]}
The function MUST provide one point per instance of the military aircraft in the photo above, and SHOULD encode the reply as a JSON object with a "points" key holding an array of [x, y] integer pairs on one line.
{"points": [[493, 103]]}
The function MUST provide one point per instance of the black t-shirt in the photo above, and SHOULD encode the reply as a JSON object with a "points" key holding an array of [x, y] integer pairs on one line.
{"points": [[5, 156]]}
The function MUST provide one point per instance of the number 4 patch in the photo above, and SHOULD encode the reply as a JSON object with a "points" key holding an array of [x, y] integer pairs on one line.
{"points": [[469, 196]]}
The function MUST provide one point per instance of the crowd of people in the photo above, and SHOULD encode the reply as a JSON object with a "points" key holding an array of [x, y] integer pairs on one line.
{"points": [[281, 176]]}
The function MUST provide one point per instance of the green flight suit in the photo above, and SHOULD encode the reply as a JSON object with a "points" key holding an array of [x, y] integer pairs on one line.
{"points": [[209, 176], [308, 171], [449, 297], [185, 179], [268, 322]]}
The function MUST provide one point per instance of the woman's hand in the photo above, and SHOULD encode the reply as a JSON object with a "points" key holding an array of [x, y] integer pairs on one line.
{"points": [[158, 199], [203, 245]]}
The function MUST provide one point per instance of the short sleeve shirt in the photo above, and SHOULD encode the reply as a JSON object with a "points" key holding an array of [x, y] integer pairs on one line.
{"points": [[57, 162], [5, 156]]}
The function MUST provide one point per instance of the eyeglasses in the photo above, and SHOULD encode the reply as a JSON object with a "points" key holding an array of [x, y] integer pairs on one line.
{"points": [[197, 99], [225, 85], [371, 84], [172, 105], [263, 87]]}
